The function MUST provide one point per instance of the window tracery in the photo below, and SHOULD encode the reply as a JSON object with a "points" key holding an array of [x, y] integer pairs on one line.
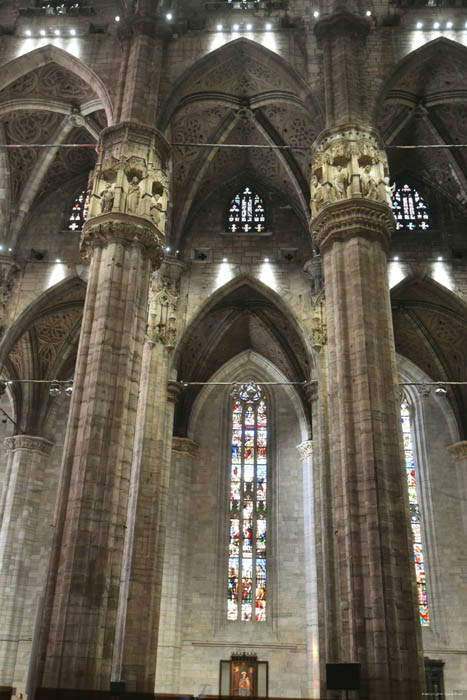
{"points": [[79, 211], [246, 212], [415, 519], [410, 210], [247, 589]]}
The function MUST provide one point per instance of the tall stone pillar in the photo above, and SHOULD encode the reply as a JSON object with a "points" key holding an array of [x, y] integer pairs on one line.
{"points": [[135, 652], [20, 571], [123, 239], [184, 453], [377, 619], [458, 453]]}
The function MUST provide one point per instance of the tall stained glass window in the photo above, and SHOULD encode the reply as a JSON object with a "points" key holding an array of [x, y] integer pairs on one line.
{"points": [[410, 211], [414, 515], [246, 213], [247, 580], [79, 211]]}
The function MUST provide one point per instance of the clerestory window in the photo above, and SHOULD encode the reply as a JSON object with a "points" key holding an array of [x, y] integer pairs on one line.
{"points": [[410, 210], [247, 568], [79, 211], [246, 212]]}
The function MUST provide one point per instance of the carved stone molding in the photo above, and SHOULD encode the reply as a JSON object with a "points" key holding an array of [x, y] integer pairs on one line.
{"points": [[28, 442], [353, 218], [174, 391], [163, 296], [125, 230], [312, 390], [458, 451], [305, 450], [185, 446]]}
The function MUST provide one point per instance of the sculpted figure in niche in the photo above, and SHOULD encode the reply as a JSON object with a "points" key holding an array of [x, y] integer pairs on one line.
{"points": [[341, 182], [318, 195], [107, 198], [133, 196], [368, 184], [156, 208]]}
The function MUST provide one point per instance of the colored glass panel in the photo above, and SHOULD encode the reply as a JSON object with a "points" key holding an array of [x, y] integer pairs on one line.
{"points": [[415, 515], [246, 212], [79, 211], [409, 209], [248, 524]]}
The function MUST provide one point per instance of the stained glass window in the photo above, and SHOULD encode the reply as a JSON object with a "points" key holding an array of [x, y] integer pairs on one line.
{"points": [[247, 587], [246, 213], [79, 211], [410, 211], [415, 522]]}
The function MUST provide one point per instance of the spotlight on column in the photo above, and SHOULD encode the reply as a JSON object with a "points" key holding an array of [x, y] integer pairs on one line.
{"points": [[436, 25], [441, 390], [449, 25], [55, 388], [316, 14], [169, 16], [419, 25], [68, 389], [368, 13]]}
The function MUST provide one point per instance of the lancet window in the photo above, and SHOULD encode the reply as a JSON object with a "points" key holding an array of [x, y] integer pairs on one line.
{"points": [[247, 570], [415, 519], [246, 212], [410, 210], [79, 211]]}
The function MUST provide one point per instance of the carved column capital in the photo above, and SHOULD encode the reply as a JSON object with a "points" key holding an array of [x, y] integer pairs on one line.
{"points": [[458, 451], [350, 193], [305, 450], [185, 446], [28, 442], [124, 229], [174, 391]]}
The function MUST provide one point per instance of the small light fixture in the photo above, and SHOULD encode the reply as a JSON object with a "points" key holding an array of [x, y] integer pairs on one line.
{"points": [[436, 25], [465, 25], [396, 258], [57, 32], [169, 16], [441, 390], [167, 249], [419, 25], [28, 32], [439, 258], [219, 27], [236, 27], [55, 388], [117, 18], [73, 32], [42, 32], [448, 25], [1, 247], [249, 27], [9, 250], [266, 259], [368, 13], [268, 26], [57, 260], [316, 14], [68, 390], [225, 260]]}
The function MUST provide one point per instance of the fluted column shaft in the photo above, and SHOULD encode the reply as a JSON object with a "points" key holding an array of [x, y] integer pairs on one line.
{"points": [[375, 589], [20, 571]]}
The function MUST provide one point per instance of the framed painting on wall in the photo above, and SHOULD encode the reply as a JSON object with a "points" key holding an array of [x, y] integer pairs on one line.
{"points": [[243, 676]]}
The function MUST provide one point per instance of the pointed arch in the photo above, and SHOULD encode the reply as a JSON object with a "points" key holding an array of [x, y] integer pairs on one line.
{"points": [[187, 82], [44, 55]]}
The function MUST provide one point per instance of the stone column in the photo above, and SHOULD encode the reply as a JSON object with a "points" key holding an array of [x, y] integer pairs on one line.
{"points": [[123, 243], [135, 652], [377, 618], [184, 453], [458, 453], [20, 549]]}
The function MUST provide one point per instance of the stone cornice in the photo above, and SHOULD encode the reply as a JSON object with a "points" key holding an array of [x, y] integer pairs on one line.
{"points": [[29, 442], [305, 450], [458, 451], [352, 218], [185, 446], [124, 229]]}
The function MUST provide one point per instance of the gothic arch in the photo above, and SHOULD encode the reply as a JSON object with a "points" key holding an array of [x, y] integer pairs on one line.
{"points": [[244, 315], [189, 83], [38, 58]]}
